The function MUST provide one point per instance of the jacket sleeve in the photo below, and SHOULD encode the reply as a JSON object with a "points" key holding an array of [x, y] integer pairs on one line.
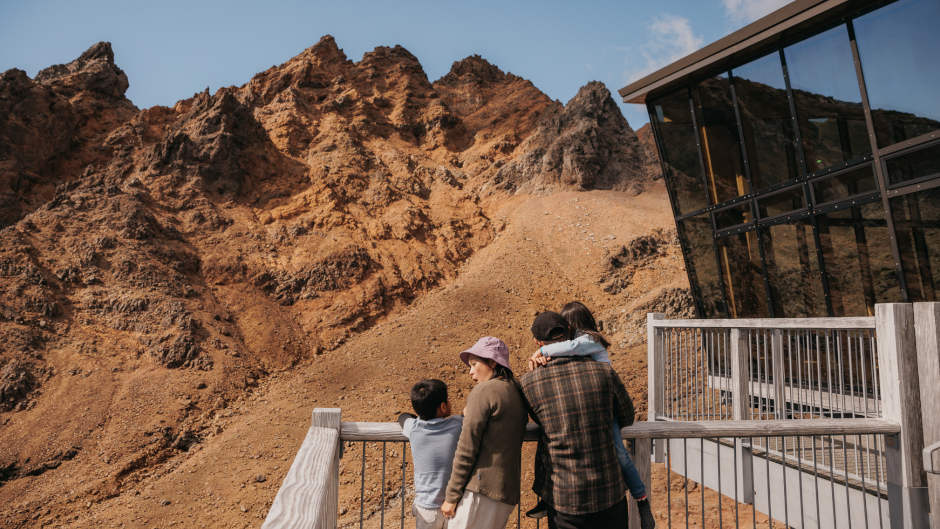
{"points": [[476, 418], [623, 406], [583, 345], [404, 418]]}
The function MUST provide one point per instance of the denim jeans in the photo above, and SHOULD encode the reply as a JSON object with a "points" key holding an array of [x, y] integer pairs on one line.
{"points": [[630, 475]]}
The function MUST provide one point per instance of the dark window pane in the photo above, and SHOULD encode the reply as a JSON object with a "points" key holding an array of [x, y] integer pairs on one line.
{"points": [[857, 254], [918, 164], [917, 224], [739, 257], [700, 252], [672, 117], [734, 215], [782, 202], [765, 118], [828, 103], [898, 47], [793, 270], [845, 184], [718, 133]]}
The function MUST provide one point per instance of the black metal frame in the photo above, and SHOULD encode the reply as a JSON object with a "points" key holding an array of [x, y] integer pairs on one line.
{"points": [[877, 160]]}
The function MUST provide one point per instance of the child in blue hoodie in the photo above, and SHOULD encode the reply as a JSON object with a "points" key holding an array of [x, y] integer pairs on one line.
{"points": [[433, 435], [589, 342]]}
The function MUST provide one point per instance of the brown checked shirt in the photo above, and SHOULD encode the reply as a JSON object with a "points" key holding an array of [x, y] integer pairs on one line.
{"points": [[574, 399]]}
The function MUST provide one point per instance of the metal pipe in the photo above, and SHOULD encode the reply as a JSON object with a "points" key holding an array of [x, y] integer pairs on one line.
{"points": [[362, 486], [402, 491], [382, 516]]}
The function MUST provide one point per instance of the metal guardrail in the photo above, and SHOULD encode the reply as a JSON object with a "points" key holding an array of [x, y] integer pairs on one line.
{"points": [[382, 495], [812, 380], [804, 369]]}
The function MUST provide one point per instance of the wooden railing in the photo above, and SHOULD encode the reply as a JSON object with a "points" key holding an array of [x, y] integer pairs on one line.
{"points": [[906, 417], [746, 369], [309, 495]]}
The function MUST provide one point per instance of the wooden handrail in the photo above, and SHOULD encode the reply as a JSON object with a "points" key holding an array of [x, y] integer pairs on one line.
{"points": [[390, 431], [309, 495], [768, 323]]}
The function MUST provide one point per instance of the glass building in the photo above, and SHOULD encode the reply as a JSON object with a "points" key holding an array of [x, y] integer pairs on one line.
{"points": [[802, 158]]}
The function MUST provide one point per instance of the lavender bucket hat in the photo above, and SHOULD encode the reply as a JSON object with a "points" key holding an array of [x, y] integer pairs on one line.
{"points": [[488, 347]]}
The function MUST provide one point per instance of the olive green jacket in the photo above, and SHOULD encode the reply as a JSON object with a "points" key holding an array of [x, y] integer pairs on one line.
{"points": [[489, 452]]}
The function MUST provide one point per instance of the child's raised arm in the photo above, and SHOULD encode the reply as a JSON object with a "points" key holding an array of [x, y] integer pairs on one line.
{"points": [[583, 345]]}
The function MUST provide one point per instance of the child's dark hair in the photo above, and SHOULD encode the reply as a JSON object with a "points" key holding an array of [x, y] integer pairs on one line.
{"points": [[427, 396], [581, 320]]}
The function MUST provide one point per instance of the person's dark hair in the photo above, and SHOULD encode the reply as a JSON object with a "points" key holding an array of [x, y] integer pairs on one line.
{"points": [[427, 396], [581, 320], [501, 371]]}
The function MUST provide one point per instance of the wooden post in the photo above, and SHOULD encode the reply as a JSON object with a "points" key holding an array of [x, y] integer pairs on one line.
{"points": [[309, 496], [741, 411], [655, 371], [927, 330], [641, 459], [779, 369], [900, 397]]}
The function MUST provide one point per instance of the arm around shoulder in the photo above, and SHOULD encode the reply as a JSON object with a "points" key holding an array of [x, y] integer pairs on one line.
{"points": [[583, 345]]}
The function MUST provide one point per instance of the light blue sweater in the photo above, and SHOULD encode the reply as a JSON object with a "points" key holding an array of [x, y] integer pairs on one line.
{"points": [[433, 444], [583, 345]]}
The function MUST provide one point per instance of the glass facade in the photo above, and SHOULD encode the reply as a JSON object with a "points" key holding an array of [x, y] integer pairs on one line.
{"points": [[718, 136], [806, 181], [828, 102], [917, 228], [672, 119], [761, 95], [897, 45]]}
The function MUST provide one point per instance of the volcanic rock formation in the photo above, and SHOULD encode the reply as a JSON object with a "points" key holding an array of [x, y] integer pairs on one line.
{"points": [[243, 231]]}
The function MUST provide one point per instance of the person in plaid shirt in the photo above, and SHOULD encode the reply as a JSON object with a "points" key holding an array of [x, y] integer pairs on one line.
{"points": [[574, 399]]}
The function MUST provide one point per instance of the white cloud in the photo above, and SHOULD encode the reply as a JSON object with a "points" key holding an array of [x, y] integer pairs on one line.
{"points": [[750, 10], [670, 38]]}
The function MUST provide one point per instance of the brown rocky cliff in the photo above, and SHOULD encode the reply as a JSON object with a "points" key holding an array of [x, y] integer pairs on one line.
{"points": [[587, 145], [52, 127], [652, 169], [145, 253]]}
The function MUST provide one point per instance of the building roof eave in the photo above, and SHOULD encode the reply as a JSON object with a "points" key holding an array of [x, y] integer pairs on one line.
{"points": [[765, 29]]}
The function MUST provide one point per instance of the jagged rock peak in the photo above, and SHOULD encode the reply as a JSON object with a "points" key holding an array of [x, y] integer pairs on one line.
{"points": [[591, 99], [383, 56], [326, 50], [475, 69], [93, 70]]}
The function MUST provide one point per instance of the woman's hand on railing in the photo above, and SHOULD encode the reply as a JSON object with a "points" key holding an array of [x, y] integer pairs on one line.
{"points": [[448, 509]]}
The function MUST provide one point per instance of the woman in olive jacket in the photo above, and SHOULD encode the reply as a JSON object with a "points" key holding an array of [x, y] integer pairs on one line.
{"points": [[484, 482]]}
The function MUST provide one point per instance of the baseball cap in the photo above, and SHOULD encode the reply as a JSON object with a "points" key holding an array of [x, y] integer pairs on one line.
{"points": [[550, 326]]}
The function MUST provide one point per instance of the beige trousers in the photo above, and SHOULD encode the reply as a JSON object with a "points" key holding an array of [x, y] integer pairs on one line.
{"points": [[428, 518], [476, 511]]}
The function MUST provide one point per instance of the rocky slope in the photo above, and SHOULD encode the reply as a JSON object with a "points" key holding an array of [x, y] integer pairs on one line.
{"points": [[157, 265]]}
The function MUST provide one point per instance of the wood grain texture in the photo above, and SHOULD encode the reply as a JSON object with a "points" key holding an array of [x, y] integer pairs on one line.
{"points": [[390, 431], [908, 501], [900, 385], [655, 369], [777, 365], [308, 497], [771, 323], [927, 331], [740, 402]]}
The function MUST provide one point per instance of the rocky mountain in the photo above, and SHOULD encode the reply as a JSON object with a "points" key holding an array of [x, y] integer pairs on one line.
{"points": [[144, 253]]}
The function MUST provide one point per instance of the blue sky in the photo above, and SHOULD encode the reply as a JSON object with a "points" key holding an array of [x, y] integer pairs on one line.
{"points": [[172, 49]]}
